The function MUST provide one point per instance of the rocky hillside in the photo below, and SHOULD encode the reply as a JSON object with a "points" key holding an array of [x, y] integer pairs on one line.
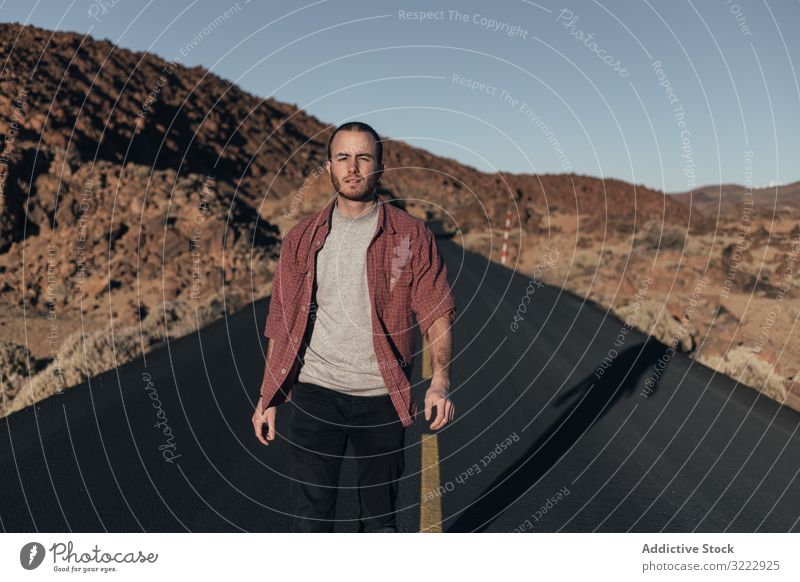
{"points": [[138, 192]]}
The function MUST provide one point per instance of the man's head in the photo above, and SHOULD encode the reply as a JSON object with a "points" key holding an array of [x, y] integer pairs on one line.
{"points": [[355, 160]]}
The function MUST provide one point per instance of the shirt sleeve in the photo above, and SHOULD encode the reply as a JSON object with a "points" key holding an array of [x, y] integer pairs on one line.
{"points": [[431, 296], [275, 316]]}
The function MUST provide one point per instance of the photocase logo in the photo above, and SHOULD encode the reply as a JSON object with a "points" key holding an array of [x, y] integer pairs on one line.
{"points": [[400, 256], [31, 555]]}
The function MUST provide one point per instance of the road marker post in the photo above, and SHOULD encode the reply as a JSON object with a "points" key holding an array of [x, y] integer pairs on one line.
{"points": [[506, 232]]}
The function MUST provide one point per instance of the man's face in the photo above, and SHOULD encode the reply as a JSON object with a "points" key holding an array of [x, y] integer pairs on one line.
{"points": [[353, 168]]}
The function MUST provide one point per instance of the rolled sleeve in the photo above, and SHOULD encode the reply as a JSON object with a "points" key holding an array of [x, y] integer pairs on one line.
{"points": [[431, 296]]}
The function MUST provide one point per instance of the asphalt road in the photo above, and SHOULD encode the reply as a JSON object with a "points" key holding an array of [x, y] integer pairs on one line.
{"points": [[539, 443]]}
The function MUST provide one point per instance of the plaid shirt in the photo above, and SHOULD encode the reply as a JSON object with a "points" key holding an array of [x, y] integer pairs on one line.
{"points": [[404, 274]]}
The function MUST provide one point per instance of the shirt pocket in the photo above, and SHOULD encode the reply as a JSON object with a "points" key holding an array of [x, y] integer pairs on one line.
{"points": [[294, 280]]}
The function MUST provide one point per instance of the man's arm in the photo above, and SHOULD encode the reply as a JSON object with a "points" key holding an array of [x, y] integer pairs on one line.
{"points": [[440, 346], [263, 412], [276, 325], [432, 301]]}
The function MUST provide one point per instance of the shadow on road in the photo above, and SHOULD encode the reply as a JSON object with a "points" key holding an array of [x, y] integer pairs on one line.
{"points": [[590, 400]]}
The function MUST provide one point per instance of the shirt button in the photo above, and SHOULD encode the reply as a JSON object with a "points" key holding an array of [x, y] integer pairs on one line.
{"points": [[283, 370], [318, 243], [308, 274], [295, 340]]}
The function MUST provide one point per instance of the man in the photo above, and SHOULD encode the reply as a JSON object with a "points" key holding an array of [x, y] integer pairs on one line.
{"points": [[341, 338]]}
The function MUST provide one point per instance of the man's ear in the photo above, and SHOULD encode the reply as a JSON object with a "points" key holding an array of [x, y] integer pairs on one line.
{"points": [[328, 166]]}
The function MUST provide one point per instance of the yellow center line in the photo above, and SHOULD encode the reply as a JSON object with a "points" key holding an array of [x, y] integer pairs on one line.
{"points": [[430, 503]]}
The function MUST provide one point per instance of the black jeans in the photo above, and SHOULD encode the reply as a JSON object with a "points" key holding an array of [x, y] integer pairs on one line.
{"points": [[322, 421]]}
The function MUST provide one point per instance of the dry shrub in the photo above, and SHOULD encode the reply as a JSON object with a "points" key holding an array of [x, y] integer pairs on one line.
{"points": [[656, 235], [585, 263], [14, 360], [743, 365], [80, 356], [85, 355], [653, 317]]}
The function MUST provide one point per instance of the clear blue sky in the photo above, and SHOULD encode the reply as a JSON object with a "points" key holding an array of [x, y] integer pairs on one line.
{"points": [[553, 97]]}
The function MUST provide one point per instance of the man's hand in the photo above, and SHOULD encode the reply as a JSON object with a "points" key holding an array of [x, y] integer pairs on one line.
{"points": [[258, 423], [436, 396]]}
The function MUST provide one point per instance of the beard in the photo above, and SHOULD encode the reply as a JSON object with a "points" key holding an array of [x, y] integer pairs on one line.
{"points": [[358, 192]]}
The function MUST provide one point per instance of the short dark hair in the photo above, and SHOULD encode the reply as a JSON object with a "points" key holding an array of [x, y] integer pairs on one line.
{"points": [[359, 126]]}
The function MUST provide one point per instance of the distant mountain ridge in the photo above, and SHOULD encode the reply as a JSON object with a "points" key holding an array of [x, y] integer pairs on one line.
{"points": [[729, 199]]}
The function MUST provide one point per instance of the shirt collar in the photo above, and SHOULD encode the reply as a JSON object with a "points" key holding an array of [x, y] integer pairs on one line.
{"points": [[384, 218]]}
